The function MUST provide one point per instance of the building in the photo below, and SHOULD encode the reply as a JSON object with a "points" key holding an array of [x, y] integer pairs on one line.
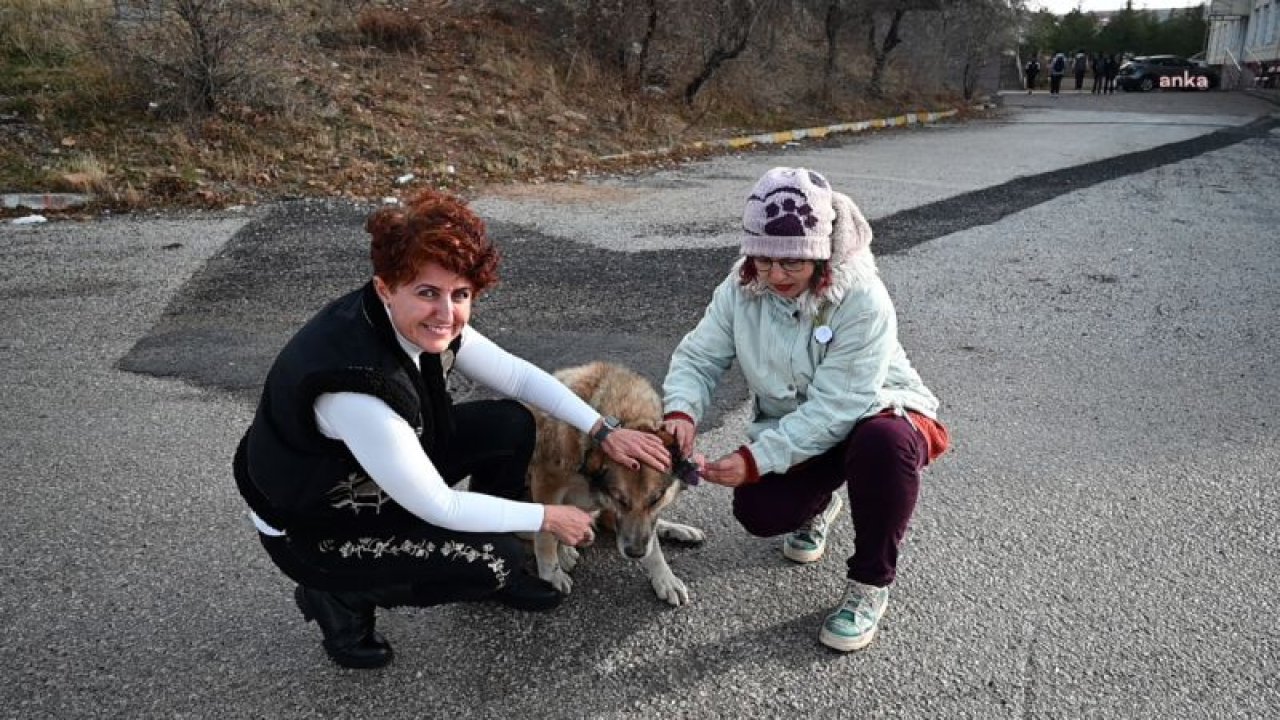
{"points": [[1244, 36]]}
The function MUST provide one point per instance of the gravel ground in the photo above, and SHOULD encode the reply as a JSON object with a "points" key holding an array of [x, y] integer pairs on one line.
{"points": [[1100, 542]]}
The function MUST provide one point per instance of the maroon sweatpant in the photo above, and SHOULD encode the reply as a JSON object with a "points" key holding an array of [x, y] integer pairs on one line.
{"points": [[880, 460]]}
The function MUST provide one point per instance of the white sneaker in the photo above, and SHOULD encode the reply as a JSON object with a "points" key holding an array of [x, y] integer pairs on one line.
{"points": [[853, 625], [807, 543]]}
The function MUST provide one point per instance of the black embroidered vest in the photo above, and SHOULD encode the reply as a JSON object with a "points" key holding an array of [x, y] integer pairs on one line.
{"points": [[288, 472]]}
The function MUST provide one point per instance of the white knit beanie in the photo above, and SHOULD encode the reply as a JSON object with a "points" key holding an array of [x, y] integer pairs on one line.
{"points": [[789, 215]]}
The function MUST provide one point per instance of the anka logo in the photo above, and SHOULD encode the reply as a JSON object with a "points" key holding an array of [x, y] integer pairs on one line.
{"points": [[1186, 80]]}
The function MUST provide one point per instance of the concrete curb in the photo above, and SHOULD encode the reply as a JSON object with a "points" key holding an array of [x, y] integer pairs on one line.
{"points": [[43, 201], [785, 136]]}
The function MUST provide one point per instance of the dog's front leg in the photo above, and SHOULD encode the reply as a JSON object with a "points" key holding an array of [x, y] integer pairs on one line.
{"points": [[568, 558], [665, 583], [679, 532], [546, 549]]}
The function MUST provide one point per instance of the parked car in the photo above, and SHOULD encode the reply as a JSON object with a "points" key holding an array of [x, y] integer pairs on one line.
{"points": [[1156, 72]]}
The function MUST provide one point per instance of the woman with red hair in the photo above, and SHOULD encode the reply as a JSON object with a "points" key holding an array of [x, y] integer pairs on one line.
{"points": [[349, 464]]}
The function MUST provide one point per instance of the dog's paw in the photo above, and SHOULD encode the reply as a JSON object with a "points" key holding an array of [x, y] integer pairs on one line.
{"points": [[568, 558], [681, 533], [670, 588], [558, 579]]}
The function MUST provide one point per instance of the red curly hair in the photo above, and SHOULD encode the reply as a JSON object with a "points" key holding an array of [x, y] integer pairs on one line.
{"points": [[432, 226]]}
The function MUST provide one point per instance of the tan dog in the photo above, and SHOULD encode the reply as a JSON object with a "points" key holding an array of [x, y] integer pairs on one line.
{"points": [[567, 467]]}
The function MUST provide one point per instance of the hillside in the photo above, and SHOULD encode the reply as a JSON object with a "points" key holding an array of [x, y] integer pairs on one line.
{"points": [[471, 98]]}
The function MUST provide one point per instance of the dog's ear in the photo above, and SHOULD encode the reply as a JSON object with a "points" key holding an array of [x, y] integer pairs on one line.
{"points": [[682, 468], [593, 465], [671, 444]]}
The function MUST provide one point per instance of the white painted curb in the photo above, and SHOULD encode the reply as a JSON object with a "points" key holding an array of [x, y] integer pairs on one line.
{"points": [[785, 136], [43, 201]]}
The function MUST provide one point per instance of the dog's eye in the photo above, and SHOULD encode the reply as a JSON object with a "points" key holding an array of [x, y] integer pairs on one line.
{"points": [[622, 503]]}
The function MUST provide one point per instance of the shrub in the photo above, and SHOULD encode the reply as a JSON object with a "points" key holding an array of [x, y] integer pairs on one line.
{"points": [[202, 55], [392, 30]]}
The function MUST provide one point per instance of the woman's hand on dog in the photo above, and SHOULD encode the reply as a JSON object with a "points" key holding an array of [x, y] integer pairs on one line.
{"points": [[570, 525], [632, 447], [683, 431]]}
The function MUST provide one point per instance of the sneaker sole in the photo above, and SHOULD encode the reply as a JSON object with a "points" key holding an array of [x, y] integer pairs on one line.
{"points": [[809, 556], [844, 644], [802, 556]]}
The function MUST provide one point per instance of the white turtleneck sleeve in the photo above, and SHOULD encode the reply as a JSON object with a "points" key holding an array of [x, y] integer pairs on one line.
{"points": [[482, 360], [387, 448]]}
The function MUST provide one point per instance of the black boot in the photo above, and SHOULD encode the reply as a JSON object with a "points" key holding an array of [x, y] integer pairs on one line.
{"points": [[347, 621], [526, 592]]}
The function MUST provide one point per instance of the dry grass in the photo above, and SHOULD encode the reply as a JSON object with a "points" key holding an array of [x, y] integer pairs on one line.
{"points": [[455, 100], [392, 30]]}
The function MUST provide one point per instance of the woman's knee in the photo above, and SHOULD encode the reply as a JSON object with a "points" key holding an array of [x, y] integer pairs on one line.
{"points": [[515, 417], [489, 560], [885, 440], [509, 552], [514, 423], [761, 514]]}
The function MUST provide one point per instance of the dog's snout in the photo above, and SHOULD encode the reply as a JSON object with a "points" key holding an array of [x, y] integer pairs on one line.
{"points": [[634, 545]]}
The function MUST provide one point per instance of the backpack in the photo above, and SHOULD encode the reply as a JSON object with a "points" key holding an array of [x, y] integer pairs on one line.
{"points": [[1059, 64]]}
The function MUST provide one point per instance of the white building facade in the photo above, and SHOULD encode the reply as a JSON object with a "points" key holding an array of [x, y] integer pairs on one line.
{"points": [[1246, 34]]}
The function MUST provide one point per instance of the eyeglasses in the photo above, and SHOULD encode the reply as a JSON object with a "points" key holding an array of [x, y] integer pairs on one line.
{"points": [[764, 264]]}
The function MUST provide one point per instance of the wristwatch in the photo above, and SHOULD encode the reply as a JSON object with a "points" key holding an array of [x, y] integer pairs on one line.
{"points": [[608, 424]]}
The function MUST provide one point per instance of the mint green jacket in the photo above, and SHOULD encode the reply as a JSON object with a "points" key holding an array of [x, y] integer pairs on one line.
{"points": [[807, 393]]}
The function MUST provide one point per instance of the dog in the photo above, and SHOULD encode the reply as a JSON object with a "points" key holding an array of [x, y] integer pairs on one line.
{"points": [[569, 468]]}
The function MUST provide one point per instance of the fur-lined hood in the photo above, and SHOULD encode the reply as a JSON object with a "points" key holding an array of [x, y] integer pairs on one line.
{"points": [[852, 264]]}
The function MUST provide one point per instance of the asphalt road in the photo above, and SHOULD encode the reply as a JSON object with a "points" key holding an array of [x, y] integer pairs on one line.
{"points": [[1089, 284]]}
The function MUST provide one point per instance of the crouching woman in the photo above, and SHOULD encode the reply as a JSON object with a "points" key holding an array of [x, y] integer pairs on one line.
{"points": [[349, 464], [837, 403]]}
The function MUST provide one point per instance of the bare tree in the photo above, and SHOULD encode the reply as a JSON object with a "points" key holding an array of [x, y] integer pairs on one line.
{"points": [[199, 52], [888, 14], [731, 24], [976, 32], [646, 41], [880, 50], [837, 15], [620, 33]]}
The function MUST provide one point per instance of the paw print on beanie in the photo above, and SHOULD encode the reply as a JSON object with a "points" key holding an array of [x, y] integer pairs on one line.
{"points": [[789, 217], [789, 214]]}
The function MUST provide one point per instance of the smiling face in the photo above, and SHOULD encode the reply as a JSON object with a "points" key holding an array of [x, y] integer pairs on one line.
{"points": [[431, 309]]}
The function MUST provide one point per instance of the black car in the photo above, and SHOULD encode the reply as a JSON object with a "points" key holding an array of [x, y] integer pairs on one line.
{"points": [[1165, 72]]}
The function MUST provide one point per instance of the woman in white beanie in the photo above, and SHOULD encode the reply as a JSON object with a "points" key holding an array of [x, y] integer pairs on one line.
{"points": [[837, 403]]}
